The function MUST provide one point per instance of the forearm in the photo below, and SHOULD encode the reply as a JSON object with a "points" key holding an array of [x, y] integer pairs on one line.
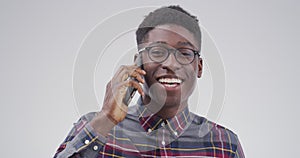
{"points": [[102, 123]]}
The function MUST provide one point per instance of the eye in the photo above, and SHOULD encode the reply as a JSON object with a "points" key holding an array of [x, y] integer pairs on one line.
{"points": [[186, 52], [157, 51]]}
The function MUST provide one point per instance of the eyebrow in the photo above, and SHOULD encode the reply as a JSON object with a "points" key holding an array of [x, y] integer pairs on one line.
{"points": [[159, 42], [180, 43], [185, 44]]}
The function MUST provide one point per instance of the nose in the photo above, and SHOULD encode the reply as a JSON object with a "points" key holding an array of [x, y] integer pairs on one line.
{"points": [[171, 63]]}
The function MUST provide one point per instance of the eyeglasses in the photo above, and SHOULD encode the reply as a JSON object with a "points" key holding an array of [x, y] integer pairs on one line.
{"points": [[159, 54]]}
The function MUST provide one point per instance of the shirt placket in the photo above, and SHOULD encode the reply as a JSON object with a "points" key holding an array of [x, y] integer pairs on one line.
{"points": [[163, 140]]}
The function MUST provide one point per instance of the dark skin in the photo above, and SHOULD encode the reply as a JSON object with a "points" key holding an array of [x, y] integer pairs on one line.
{"points": [[175, 98], [175, 37]]}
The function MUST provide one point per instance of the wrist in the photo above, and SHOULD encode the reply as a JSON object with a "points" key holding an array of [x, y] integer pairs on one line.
{"points": [[102, 123]]}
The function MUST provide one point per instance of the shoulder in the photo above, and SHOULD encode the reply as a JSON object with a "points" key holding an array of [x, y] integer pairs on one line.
{"points": [[215, 127], [214, 131], [217, 135]]}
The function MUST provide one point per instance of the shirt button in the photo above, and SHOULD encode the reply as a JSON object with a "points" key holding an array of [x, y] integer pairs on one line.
{"points": [[86, 142], [175, 133], [149, 130], [95, 147], [163, 142]]}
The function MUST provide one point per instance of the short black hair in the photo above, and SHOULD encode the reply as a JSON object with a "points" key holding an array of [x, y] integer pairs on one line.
{"points": [[173, 14]]}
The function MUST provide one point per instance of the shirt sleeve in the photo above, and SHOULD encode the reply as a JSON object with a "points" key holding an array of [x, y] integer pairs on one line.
{"points": [[82, 141], [239, 151]]}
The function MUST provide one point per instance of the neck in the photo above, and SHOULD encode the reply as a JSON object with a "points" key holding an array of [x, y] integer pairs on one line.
{"points": [[165, 111]]}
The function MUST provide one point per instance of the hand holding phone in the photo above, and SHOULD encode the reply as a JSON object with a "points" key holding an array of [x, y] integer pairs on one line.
{"points": [[129, 95], [131, 90], [120, 90]]}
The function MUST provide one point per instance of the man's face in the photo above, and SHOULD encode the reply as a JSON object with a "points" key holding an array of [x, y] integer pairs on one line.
{"points": [[170, 77]]}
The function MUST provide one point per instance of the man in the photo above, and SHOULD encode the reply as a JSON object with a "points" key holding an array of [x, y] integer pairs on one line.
{"points": [[160, 124]]}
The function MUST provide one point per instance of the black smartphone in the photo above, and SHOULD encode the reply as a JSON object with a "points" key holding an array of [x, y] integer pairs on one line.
{"points": [[131, 90]]}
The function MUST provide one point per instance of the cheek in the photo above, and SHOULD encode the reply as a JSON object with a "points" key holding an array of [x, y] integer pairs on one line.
{"points": [[149, 66], [150, 69], [188, 89], [191, 71], [146, 62], [191, 80]]}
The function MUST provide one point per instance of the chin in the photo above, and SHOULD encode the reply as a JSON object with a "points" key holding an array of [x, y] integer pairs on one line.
{"points": [[172, 101]]}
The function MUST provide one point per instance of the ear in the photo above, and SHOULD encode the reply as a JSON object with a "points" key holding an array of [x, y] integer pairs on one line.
{"points": [[200, 67]]}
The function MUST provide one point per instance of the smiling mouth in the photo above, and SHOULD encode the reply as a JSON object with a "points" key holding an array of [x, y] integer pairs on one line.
{"points": [[170, 82]]}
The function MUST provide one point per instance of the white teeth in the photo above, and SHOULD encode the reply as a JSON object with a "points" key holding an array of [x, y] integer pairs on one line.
{"points": [[170, 85], [170, 80]]}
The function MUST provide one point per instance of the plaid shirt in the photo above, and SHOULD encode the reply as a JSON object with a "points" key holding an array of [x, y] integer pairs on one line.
{"points": [[144, 134]]}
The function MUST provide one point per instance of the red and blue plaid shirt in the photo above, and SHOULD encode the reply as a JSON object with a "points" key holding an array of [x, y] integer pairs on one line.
{"points": [[144, 134]]}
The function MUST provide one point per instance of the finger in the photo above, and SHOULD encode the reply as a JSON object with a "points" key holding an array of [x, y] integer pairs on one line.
{"points": [[134, 84], [140, 71], [140, 79], [137, 76], [124, 72]]}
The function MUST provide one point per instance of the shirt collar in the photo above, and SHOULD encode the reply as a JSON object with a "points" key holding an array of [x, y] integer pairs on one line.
{"points": [[150, 121]]}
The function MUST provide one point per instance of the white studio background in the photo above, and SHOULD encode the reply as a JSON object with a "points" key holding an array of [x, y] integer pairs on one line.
{"points": [[258, 42]]}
